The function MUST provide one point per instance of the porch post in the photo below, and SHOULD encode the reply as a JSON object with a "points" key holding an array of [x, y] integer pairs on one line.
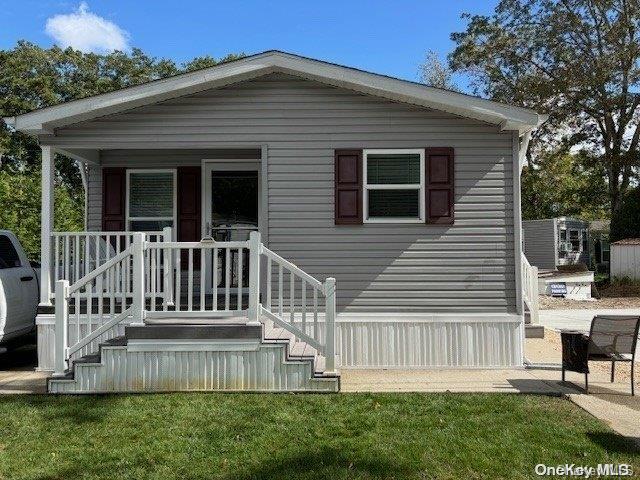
{"points": [[138, 302], [46, 223], [62, 314], [330, 325], [254, 278]]}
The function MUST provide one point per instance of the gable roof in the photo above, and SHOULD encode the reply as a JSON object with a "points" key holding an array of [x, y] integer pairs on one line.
{"points": [[45, 120]]}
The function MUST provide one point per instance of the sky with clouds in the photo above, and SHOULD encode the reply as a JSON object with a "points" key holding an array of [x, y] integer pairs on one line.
{"points": [[381, 36]]}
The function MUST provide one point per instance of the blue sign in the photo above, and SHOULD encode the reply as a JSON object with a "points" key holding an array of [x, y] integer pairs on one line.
{"points": [[558, 289]]}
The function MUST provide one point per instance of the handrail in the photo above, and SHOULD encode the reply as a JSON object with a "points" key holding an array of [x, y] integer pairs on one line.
{"points": [[299, 327], [100, 270], [292, 267], [112, 275]]}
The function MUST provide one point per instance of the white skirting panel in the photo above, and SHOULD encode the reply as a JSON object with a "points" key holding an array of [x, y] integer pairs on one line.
{"points": [[429, 344], [377, 341], [264, 369]]}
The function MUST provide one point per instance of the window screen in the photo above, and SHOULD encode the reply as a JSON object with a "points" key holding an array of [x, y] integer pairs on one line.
{"points": [[394, 185], [151, 200], [8, 255]]}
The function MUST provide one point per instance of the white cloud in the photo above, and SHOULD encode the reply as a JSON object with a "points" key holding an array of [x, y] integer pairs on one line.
{"points": [[86, 31]]}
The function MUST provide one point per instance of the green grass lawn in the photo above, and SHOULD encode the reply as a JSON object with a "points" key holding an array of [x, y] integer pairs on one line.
{"points": [[236, 436]]}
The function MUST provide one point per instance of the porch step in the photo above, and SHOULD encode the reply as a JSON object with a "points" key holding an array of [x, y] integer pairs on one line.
{"points": [[276, 362], [533, 331]]}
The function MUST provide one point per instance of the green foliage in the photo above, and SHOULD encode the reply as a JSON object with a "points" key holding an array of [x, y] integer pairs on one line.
{"points": [[435, 73], [32, 77], [578, 61], [560, 184], [625, 223], [20, 212]]}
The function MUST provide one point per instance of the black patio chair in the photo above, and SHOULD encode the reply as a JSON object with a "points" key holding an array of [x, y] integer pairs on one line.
{"points": [[612, 338]]}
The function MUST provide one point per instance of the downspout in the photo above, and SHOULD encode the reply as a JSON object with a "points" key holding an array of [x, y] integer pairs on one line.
{"points": [[524, 145]]}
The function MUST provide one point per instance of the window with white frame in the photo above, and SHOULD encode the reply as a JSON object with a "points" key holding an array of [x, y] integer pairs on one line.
{"points": [[393, 189], [151, 200]]}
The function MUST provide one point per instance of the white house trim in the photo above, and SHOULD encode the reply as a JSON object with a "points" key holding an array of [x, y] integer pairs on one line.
{"points": [[45, 120]]}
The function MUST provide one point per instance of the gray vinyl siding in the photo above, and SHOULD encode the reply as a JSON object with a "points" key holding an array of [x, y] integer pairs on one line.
{"points": [[540, 243], [467, 267]]}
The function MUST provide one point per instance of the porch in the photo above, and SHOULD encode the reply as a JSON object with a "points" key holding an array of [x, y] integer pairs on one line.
{"points": [[112, 310]]}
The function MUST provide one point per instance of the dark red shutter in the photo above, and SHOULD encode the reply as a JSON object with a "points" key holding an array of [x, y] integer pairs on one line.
{"points": [[113, 199], [439, 185], [348, 187], [189, 226]]}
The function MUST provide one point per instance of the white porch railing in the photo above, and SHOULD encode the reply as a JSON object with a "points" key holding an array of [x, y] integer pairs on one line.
{"points": [[204, 279], [80, 325], [530, 288], [76, 254]]}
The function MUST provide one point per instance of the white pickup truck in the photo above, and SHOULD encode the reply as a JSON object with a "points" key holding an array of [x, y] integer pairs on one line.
{"points": [[19, 291]]}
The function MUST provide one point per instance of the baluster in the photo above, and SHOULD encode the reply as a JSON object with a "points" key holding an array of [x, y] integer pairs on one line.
{"points": [[56, 247], [268, 299], [178, 299], [76, 255], [97, 249], [117, 266], [87, 254], [292, 304], [202, 277], [215, 278], [303, 304], [107, 274], [100, 289], [89, 292], [280, 288], [190, 281], [77, 307], [152, 266], [66, 258], [316, 333], [239, 281], [112, 291], [227, 277], [147, 269], [127, 273], [123, 293], [159, 288]]}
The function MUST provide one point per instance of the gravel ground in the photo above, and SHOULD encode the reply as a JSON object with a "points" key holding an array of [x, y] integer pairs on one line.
{"points": [[549, 350], [551, 303]]}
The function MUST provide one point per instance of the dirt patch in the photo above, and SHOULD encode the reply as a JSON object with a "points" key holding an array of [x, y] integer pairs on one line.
{"points": [[620, 289], [554, 303]]}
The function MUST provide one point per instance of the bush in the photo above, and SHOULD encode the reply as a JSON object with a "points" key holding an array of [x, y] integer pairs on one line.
{"points": [[576, 267], [625, 223]]}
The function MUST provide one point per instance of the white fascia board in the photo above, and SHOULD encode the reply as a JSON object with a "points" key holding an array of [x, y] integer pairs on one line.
{"points": [[508, 117]]}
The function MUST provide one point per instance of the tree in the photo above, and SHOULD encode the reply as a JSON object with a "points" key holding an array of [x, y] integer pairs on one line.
{"points": [[435, 73], [32, 77], [559, 185], [625, 223], [577, 60]]}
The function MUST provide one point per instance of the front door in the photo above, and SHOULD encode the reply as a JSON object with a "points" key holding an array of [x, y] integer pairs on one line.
{"points": [[232, 212]]}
